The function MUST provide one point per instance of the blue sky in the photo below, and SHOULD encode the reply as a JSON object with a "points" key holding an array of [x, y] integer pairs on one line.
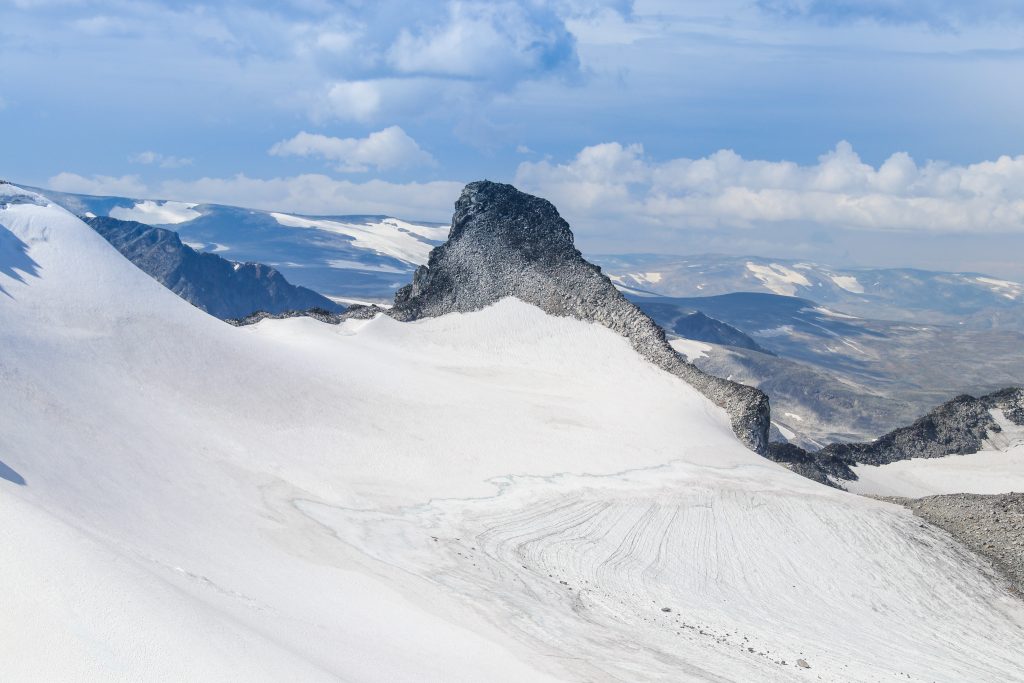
{"points": [[875, 132]]}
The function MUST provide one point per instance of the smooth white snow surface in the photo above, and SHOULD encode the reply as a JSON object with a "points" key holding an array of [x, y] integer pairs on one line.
{"points": [[998, 468], [496, 496], [691, 348], [847, 282], [1011, 290], [157, 213], [389, 237], [778, 278]]}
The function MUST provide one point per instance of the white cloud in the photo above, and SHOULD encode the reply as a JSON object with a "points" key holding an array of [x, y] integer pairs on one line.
{"points": [[313, 194], [149, 158], [386, 149], [491, 40], [612, 183], [103, 185], [354, 100]]}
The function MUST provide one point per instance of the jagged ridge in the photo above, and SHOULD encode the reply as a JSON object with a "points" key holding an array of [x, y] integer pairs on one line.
{"points": [[504, 242], [959, 426]]}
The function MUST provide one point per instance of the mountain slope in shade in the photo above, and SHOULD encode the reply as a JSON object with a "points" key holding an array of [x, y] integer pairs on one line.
{"points": [[207, 281], [462, 498]]}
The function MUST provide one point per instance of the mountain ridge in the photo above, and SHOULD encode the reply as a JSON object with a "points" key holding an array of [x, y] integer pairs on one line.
{"points": [[504, 242], [220, 287]]}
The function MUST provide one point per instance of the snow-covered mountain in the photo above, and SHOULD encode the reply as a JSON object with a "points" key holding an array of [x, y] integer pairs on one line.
{"points": [[495, 495], [369, 257], [350, 257], [220, 287]]}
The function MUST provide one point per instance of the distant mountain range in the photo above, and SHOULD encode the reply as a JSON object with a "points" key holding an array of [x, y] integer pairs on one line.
{"points": [[905, 294], [369, 257], [837, 377], [356, 257]]}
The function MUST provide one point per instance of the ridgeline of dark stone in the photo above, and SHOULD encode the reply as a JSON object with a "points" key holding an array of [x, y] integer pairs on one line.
{"points": [[207, 281], [959, 426], [505, 243], [824, 469], [353, 312]]}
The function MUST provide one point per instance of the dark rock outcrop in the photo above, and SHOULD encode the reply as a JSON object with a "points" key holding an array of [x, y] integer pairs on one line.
{"points": [[505, 243], [218, 286], [959, 426], [353, 312], [824, 469]]}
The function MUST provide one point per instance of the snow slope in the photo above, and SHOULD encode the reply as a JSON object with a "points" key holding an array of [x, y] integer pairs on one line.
{"points": [[463, 498], [156, 213]]}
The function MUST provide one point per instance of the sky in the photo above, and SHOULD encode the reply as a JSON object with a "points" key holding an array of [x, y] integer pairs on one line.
{"points": [[872, 132]]}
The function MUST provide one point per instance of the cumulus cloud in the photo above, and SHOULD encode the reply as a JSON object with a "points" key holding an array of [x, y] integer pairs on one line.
{"points": [[612, 183], [353, 100], [487, 40], [150, 158], [384, 150], [308, 193]]}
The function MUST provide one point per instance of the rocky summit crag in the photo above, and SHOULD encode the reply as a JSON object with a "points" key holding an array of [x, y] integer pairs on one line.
{"points": [[506, 243]]}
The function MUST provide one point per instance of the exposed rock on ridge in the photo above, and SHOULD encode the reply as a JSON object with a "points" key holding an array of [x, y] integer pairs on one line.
{"points": [[504, 243], [959, 426]]}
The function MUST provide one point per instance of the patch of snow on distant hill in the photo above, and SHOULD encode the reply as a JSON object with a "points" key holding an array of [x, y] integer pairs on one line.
{"points": [[847, 282], [156, 213], [1011, 290], [778, 278], [384, 237], [344, 264], [692, 349]]}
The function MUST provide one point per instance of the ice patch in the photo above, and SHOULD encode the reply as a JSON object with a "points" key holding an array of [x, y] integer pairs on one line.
{"points": [[848, 282], [389, 237], [833, 314], [692, 349], [1010, 290], [778, 278], [157, 213], [781, 331], [342, 264], [789, 434]]}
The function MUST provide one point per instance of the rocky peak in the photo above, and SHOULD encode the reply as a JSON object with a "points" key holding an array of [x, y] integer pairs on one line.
{"points": [[504, 242]]}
